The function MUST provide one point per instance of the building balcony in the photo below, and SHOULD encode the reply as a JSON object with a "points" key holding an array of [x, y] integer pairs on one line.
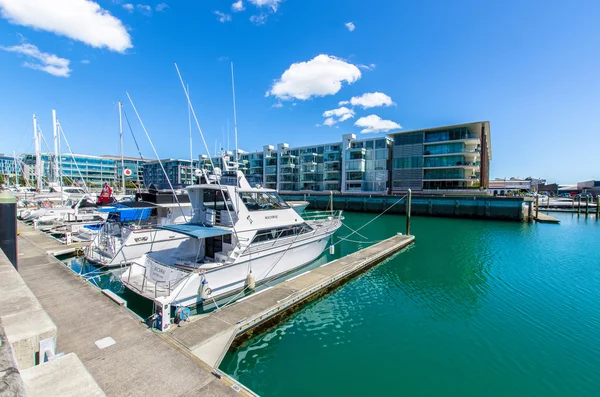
{"points": [[470, 138], [453, 166], [427, 153]]}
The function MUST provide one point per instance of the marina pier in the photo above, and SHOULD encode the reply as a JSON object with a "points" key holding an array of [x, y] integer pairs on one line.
{"points": [[480, 206], [115, 353]]}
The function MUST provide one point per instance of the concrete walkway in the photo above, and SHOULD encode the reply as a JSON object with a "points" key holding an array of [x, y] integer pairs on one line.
{"points": [[140, 363]]}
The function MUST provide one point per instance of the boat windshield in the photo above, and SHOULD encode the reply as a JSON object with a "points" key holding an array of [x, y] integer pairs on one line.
{"points": [[263, 201]]}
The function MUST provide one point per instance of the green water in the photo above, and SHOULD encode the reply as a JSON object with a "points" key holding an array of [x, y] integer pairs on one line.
{"points": [[473, 308]]}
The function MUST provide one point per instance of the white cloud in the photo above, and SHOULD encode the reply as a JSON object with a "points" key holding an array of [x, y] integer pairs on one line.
{"points": [[322, 75], [222, 17], [161, 7], [128, 6], [350, 26], [237, 6], [260, 19], [374, 123], [48, 63], [369, 100], [272, 4], [85, 61], [329, 121], [337, 115], [82, 20], [343, 111], [144, 9], [277, 105], [367, 67]]}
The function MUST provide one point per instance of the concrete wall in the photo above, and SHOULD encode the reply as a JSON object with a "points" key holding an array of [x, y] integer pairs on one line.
{"points": [[25, 322], [505, 208]]}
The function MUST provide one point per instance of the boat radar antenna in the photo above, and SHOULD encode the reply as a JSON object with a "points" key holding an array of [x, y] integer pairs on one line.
{"points": [[158, 158], [234, 118]]}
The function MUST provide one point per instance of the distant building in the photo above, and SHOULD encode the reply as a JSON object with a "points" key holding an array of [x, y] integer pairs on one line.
{"points": [[7, 165], [592, 187], [501, 187], [179, 172], [448, 158], [95, 170]]}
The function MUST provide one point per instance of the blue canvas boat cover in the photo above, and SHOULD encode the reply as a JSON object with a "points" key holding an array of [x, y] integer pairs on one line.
{"points": [[127, 214], [197, 230]]}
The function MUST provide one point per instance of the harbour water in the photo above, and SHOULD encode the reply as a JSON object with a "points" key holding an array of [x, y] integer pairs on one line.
{"points": [[473, 308]]}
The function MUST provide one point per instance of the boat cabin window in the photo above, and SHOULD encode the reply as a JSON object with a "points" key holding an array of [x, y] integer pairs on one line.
{"points": [[281, 232], [262, 201], [215, 200], [74, 191]]}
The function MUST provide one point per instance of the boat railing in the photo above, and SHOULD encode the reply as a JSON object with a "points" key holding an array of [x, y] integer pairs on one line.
{"points": [[169, 284], [322, 215]]}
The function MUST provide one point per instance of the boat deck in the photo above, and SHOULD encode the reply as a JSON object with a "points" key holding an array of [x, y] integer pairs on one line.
{"points": [[209, 336], [141, 362]]}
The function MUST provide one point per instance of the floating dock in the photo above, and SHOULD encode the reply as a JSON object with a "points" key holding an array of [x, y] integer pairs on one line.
{"points": [[209, 336], [48, 244], [126, 358], [545, 218]]}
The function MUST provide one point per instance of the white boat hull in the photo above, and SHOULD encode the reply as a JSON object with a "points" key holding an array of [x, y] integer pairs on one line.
{"points": [[267, 261]]}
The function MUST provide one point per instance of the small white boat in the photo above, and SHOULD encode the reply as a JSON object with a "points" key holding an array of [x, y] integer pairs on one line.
{"points": [[240, 236], [131, 230]]}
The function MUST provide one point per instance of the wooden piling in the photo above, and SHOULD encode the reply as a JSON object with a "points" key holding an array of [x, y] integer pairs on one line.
{"points": [[587, 205], [597, 206], [537, 206], [408, 211], [579, 205]]}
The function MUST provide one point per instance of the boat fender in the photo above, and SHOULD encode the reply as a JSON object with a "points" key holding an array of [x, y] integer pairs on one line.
{"points": [[250, 281], [331, 249], [182, 314], [205, 290]]}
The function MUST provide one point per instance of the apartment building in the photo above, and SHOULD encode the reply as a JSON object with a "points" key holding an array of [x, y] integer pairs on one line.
{"points": [[179, 172], [95, 170], [442, 159]]}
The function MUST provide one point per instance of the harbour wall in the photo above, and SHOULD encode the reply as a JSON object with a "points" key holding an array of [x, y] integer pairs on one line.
{"points": [[518, 209]]}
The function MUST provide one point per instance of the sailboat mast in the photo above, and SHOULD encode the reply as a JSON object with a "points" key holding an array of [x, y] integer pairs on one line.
{"points": [[190, 127], [15, 161], [36, 140], [121, 146], [55, 135], [234, 118]]}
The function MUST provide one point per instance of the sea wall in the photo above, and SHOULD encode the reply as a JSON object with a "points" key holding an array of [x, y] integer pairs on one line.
{"points": [[480, 207]]}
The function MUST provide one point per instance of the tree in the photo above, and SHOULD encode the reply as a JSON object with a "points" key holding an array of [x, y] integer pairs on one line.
{"points": [[67, 181]]}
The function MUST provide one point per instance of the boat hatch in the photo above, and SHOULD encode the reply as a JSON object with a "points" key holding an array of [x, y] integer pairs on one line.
{"points": [[197, 230]]}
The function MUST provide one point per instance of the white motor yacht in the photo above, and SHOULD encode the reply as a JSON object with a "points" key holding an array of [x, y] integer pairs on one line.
{"points": [[240, 236]]}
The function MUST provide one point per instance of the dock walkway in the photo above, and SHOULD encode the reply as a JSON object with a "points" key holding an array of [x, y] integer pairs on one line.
{"points": [[209, 337], [51, 246], [140, 363], [544, 218]]}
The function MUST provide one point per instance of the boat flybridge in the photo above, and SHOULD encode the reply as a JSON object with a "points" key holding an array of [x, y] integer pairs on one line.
{"points": [[239, 237]]}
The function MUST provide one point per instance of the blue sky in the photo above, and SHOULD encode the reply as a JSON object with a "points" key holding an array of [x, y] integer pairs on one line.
{"points": [[530, 68]]}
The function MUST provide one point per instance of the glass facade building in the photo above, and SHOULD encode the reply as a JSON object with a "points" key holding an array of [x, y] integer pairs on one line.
{"points": [[95, 170], [445, 158]]}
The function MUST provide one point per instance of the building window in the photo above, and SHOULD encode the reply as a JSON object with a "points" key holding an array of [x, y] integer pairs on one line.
{"points": [[408, 162]]}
